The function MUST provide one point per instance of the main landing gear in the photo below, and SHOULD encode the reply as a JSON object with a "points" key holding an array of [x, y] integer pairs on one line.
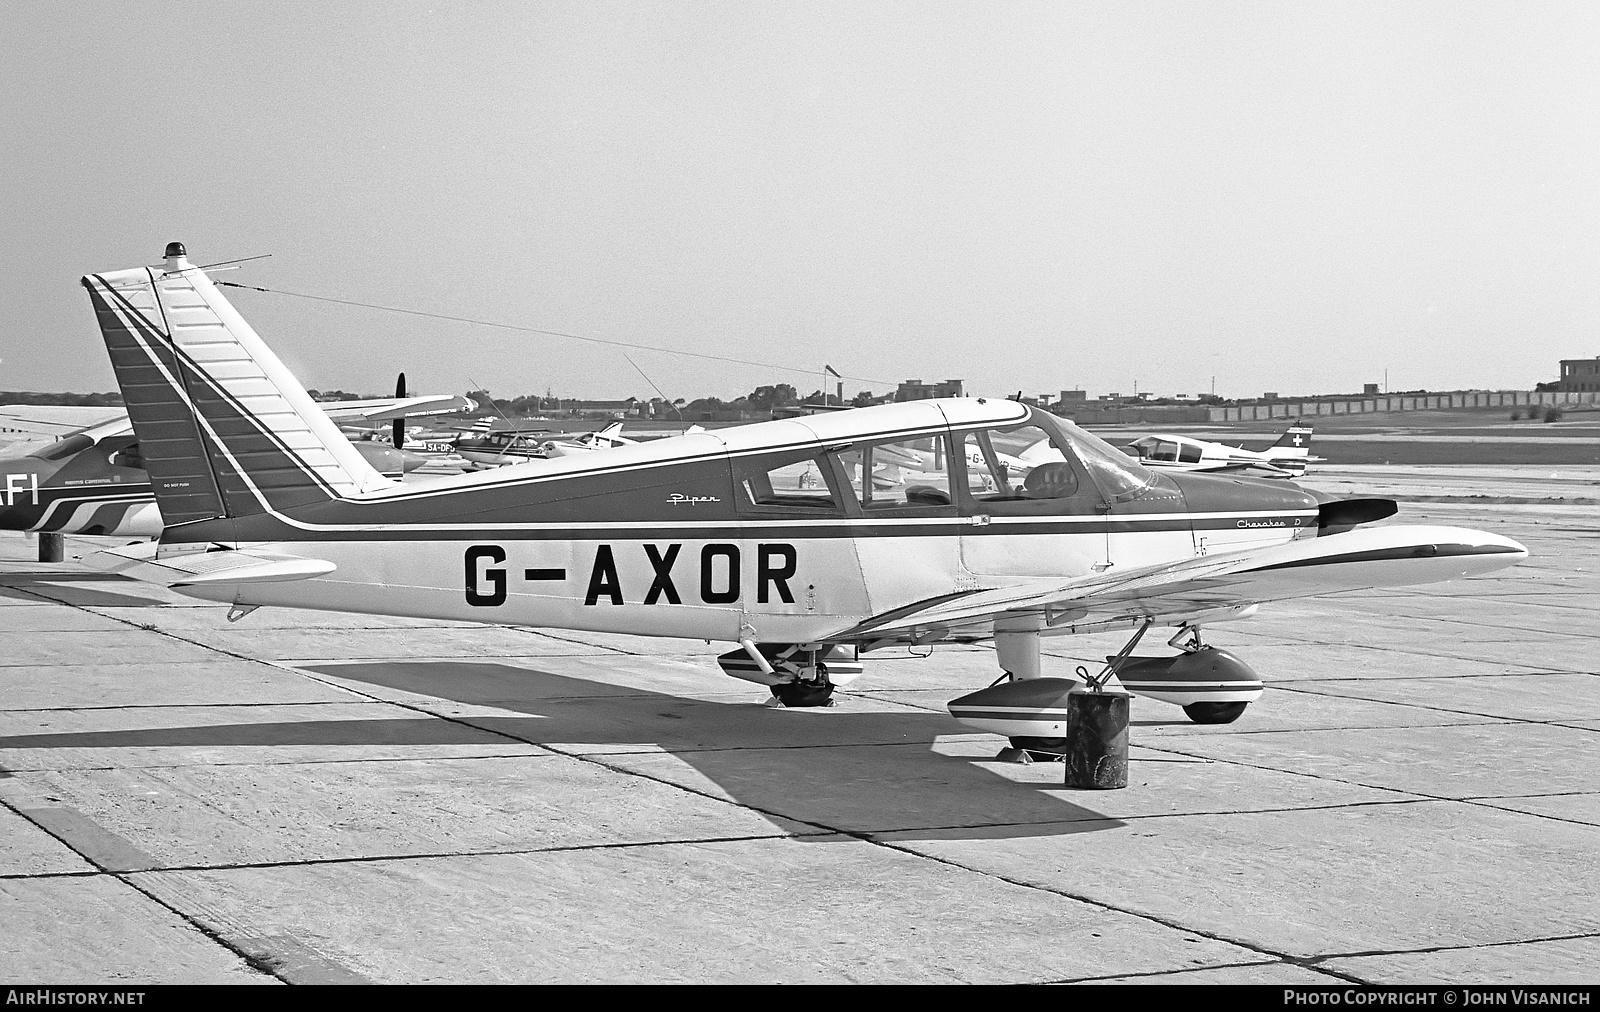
{"points": [[815, 691], [1053, 749], [1036, 714], [799, 674]]}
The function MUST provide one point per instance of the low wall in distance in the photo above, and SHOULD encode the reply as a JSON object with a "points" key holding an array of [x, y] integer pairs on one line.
{"points": [[1454, 399]]}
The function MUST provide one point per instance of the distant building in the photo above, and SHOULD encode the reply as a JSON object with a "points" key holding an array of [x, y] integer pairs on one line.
{"points": [[1579, 374], [1074, 396], [1368, 389], [1270, 395], [614, 409], [916, 390]]}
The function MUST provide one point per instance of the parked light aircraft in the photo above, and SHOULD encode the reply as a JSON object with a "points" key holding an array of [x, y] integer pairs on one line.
{"points": [[714, 535], [1287, 458], [91, 480], [602, 439], [483, 446]]}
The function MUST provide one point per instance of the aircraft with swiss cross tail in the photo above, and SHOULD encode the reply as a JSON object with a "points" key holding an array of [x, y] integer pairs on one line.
{"points": [[805, 544], [1286, 458]]}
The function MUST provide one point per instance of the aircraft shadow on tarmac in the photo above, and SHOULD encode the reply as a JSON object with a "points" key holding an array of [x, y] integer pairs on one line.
{"points": [[870, 772], [72, 589]]}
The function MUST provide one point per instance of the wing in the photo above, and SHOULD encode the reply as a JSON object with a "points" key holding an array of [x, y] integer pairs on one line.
{"points": [[57, 421], [1251, 469], [383, 409], [1208, 586]]}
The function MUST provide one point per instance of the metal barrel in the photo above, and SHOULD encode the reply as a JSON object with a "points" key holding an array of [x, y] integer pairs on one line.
{"points": [[52, 547], [1097, 740]]}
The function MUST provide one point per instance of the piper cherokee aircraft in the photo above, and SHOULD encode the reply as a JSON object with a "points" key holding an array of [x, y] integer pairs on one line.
{"points": [[713, 535], [91, 481], [1287, 458]]}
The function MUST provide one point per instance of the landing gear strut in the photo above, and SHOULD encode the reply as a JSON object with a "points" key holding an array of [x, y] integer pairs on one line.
{"points": [[1055, 749]]}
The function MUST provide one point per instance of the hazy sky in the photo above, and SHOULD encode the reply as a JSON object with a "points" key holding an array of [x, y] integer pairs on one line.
{"points": [[1287, 196]]}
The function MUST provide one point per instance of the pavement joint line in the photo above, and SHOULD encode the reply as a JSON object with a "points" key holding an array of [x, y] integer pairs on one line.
{"points": [[1154, 918], [543, 754], [1516, 797], [1148, 816], [566, 639], [1493, 718], [580, 757], [122, 877], [1388, 648], [177, 706], [446, 854], [1463, 947], [1156, 974], [1185, 731], [1416, 795]]}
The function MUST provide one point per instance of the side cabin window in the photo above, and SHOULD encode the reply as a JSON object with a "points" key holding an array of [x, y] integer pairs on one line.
{"points": [[1024, 470], [798, 480], [1189, 453], [909, 473]]}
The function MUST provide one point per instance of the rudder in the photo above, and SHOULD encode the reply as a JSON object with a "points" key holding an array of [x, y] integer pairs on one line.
{"points": [[225, 429]]}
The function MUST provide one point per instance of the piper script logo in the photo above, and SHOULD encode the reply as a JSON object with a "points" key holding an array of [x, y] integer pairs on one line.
{"points": [[679, 499]]}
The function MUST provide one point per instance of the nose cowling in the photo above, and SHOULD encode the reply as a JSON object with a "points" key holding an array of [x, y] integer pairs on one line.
{"points": [[1220, 493]]}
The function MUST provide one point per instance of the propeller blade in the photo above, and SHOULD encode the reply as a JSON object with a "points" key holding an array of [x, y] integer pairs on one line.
{"points": [[1349, 512], [398, 429]]}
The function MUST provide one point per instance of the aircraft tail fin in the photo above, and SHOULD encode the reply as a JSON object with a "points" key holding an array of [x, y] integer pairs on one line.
{"points": [[1295, 441], [224, 427]]}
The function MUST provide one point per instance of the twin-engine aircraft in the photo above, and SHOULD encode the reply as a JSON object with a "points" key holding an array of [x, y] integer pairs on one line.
{"points": [[1286, 458], [777, 538]]}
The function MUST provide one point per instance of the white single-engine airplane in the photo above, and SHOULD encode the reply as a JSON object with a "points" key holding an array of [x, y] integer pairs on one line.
{"points": [[1287, 458], [760, 536]]}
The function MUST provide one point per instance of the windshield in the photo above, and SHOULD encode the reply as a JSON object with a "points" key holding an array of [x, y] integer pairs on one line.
{"points": [[1119, 476]]}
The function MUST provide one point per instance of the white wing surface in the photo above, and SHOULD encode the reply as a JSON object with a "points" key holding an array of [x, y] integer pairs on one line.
{"points": [[1214, 585]]}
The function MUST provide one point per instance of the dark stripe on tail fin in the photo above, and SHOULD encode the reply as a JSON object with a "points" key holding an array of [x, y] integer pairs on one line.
{"points": [[227, 429], [169, 436]]}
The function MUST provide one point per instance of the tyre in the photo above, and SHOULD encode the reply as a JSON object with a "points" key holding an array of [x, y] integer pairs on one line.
{"points": [[1214, 713]]}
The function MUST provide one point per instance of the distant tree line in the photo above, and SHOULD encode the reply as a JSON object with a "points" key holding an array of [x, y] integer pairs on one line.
{"points": [[112, 399]]}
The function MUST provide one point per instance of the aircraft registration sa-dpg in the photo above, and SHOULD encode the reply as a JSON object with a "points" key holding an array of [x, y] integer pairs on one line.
{"points": [[805, 544]]}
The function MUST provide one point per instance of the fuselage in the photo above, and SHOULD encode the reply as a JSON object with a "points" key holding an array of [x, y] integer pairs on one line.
{"points": [[766, 532], [79, 485]]}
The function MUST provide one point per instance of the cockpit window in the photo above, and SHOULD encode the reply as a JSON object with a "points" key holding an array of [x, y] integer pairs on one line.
{"points": [[795, 481], [1118, 476], [1019, 462], [897, 474]]}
